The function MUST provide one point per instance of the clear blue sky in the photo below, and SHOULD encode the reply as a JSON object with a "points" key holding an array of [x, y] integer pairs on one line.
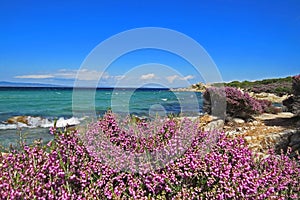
{"points": [[46, 41]]}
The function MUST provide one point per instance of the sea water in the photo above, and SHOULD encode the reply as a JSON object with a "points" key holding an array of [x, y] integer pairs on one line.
{"points": [[41, 106]]}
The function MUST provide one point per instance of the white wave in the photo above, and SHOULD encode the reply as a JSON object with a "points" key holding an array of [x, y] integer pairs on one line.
{"points": [[8, 126], [21, 125], [61, 122], [164, 99], [36, 122]]}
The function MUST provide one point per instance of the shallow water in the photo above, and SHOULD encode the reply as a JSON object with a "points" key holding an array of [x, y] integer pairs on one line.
{"points": [[44, 105], [13, 137]]}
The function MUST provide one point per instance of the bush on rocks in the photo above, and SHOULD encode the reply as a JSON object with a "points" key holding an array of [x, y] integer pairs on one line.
{"points": [[239, 103]]}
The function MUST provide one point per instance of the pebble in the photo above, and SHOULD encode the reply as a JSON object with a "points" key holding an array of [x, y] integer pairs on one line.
{"points": [[248, 138], [238, 120]]}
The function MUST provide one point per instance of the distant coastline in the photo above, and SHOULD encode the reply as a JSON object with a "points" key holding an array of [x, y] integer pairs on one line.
{"points": [[17, 84], [5, 84]]}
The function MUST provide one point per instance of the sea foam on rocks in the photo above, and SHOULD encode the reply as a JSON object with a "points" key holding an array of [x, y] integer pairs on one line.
{"points": [[61, 122], [36, 122]]}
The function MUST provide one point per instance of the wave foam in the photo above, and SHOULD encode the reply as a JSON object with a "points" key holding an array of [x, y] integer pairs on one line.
{"points": [[39, 122]]}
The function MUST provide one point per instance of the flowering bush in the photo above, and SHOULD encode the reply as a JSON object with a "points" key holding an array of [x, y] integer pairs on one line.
{"points": [[239, 104], [68, 169]]}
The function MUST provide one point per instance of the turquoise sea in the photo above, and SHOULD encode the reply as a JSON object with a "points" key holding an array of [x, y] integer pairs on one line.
{"points": [[40, 106]]}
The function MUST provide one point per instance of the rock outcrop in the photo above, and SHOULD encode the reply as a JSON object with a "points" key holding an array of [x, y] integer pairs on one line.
{"points": [[269, 96], [16, 119], [211, 123], [279, 141], [268, 131], [214, 125]]}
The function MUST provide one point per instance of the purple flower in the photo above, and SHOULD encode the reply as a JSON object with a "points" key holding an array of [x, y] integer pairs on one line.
{"points": [[70, 169]]}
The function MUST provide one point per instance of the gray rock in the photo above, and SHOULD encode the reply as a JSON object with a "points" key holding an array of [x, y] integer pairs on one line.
{"points": [[289, 138], [296, 147], [282, 144], [214, 125], [295, 139], [287, 133]]}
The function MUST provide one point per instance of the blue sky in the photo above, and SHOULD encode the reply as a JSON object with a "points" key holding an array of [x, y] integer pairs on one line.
{"points": [[47, 41]]}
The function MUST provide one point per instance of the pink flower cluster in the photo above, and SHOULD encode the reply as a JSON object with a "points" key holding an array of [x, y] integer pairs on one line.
{"points": [[70, 167]]}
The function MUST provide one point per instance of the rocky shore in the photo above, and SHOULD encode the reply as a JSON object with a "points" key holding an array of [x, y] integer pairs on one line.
{"points": [[266, 131]]}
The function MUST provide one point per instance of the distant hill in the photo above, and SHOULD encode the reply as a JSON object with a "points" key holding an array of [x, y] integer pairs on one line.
{"points": [[13, 84], [278, 86]]}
